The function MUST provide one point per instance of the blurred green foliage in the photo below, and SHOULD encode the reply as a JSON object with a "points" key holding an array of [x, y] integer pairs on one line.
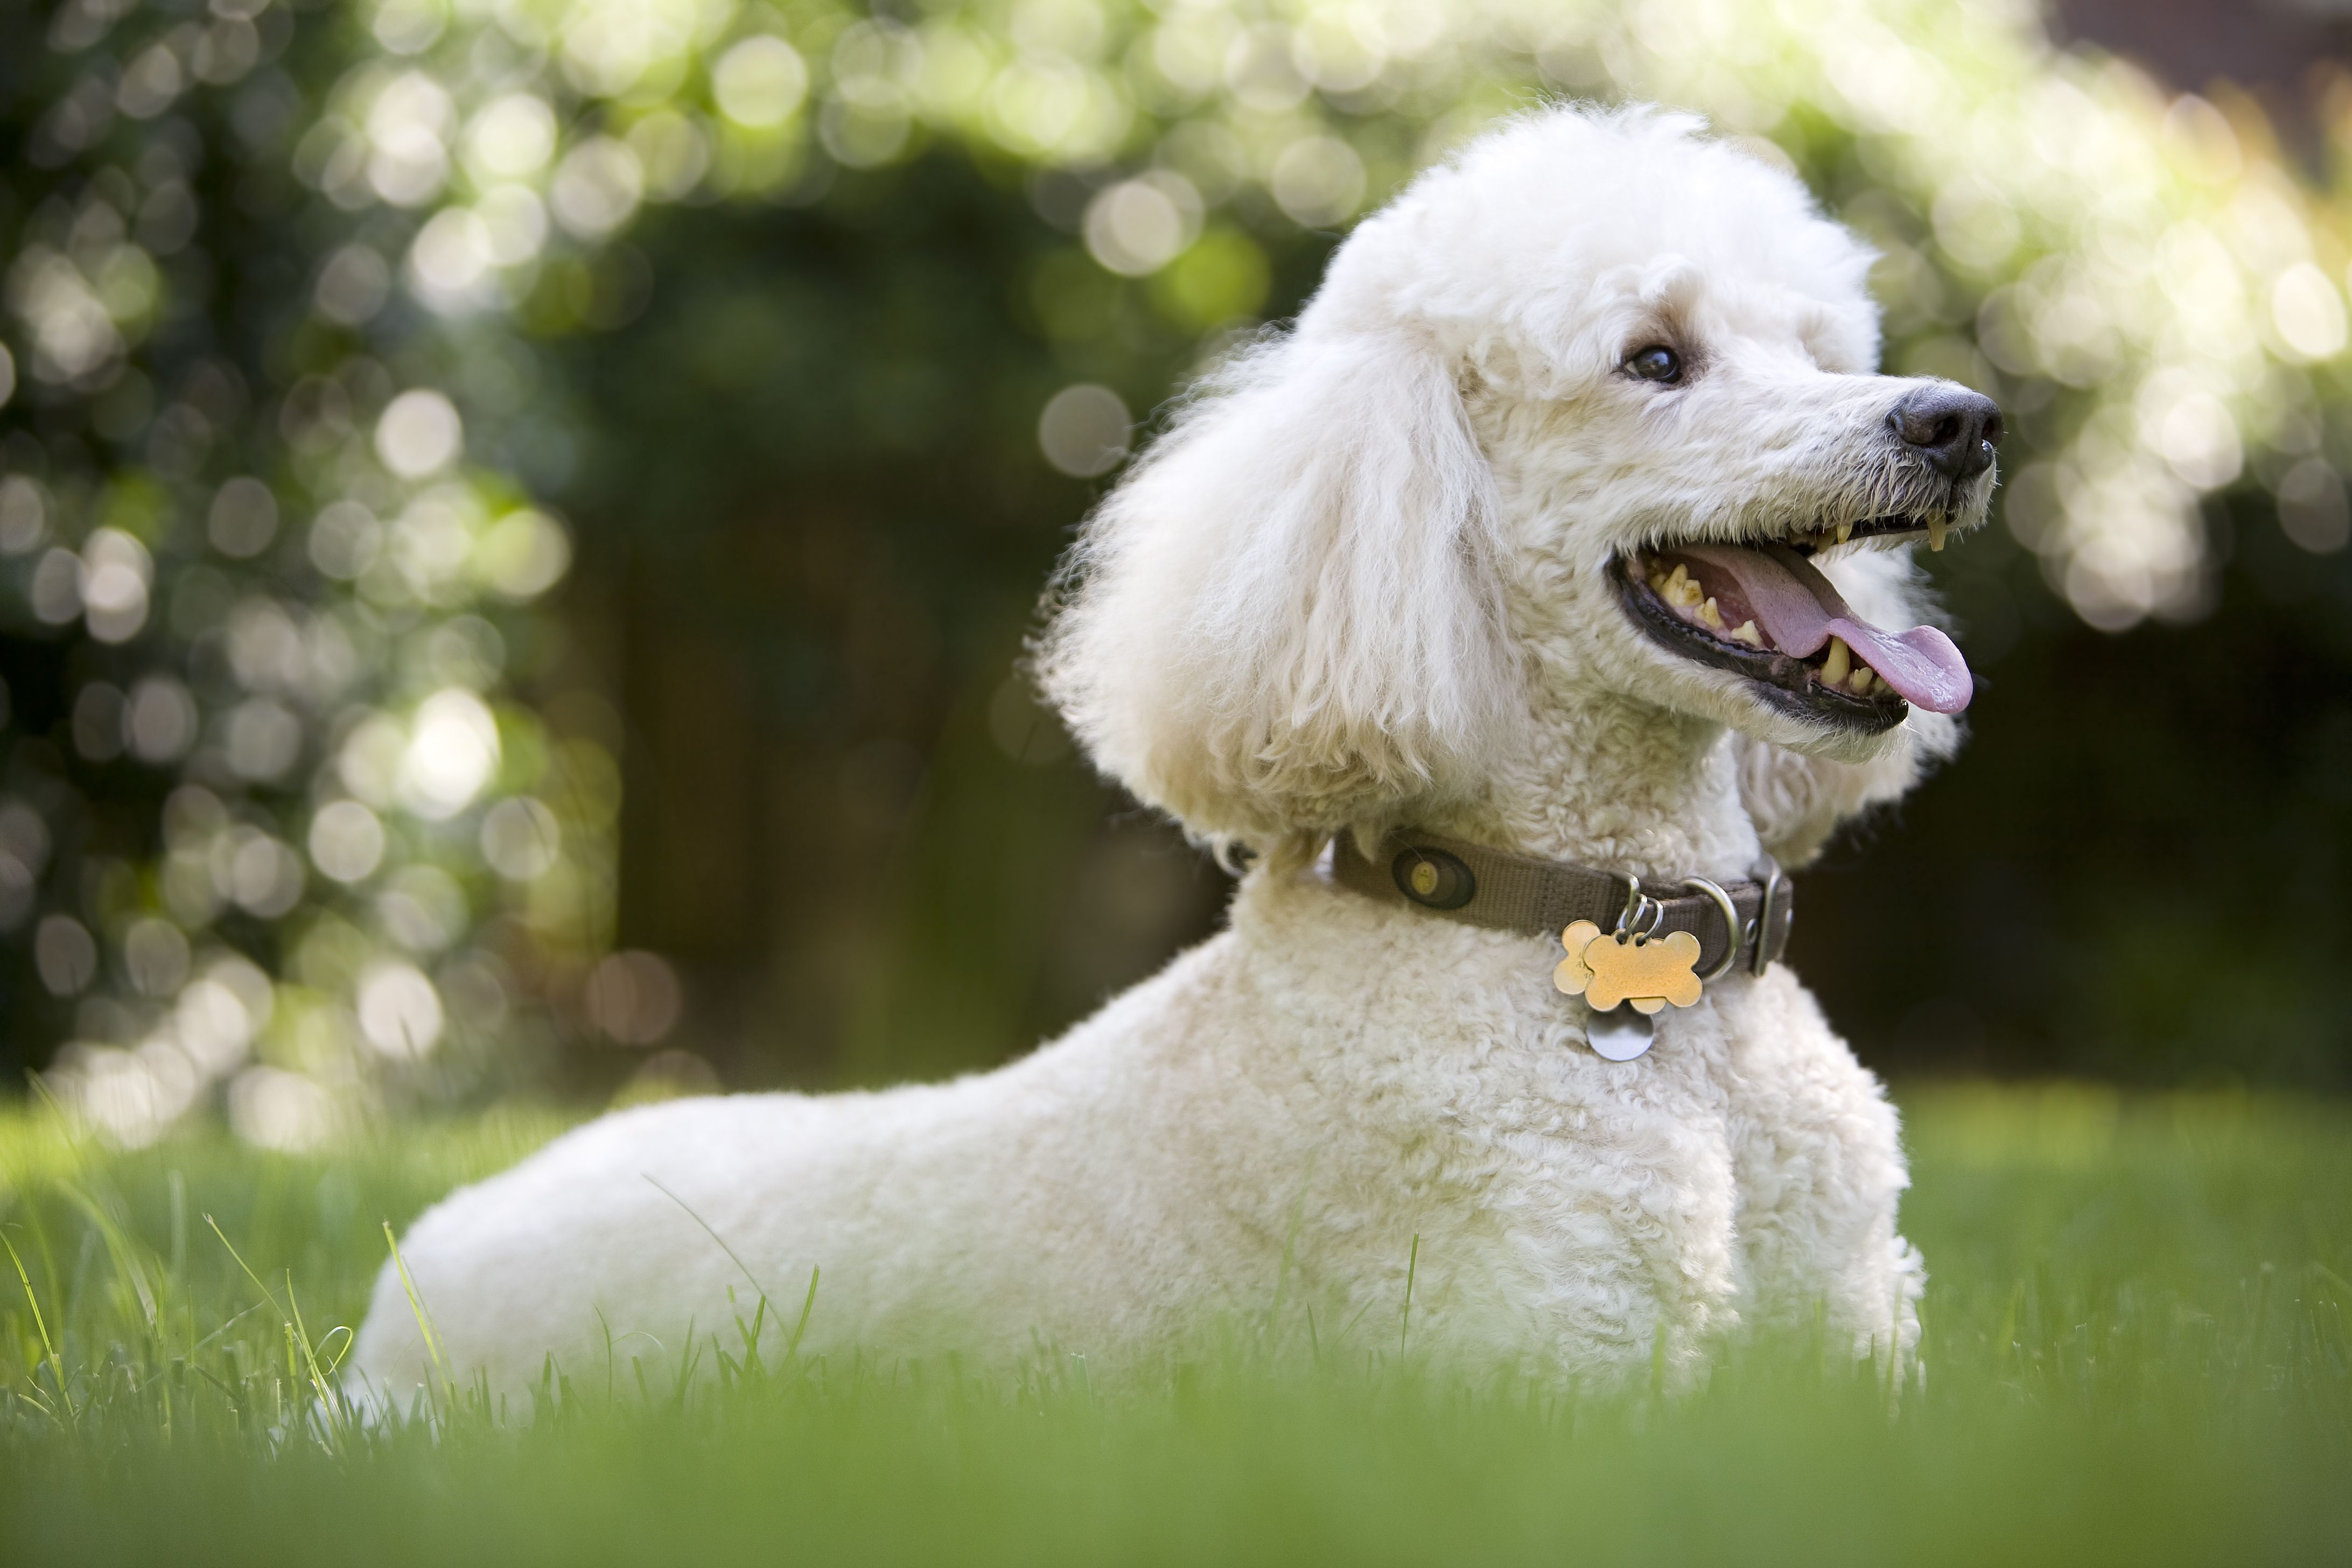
{"points": [[791, 341]]}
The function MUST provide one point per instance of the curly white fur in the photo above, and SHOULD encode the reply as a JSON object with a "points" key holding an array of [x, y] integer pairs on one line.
{"points": [[1359, 582]]}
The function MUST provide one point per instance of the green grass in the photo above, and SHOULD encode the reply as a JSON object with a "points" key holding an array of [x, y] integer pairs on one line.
{"points": [[2137, 1350]]}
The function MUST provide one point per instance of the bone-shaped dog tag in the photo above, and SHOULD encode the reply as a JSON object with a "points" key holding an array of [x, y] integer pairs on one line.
{"points": [[1647, 974]]}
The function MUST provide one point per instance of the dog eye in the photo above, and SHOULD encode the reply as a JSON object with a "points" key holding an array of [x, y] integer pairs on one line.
{"points": [[1657, 362]]}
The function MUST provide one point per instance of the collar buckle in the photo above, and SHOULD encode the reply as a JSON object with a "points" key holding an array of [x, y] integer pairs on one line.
{"points": [[1774, 882]]}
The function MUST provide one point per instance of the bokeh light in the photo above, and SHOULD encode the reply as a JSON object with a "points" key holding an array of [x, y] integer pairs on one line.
{"points": [[1084, 430], [293, 542]]}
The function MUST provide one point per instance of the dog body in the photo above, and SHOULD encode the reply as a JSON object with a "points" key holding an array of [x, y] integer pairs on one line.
{"points": [[1277, 1115], [1388, 569]]}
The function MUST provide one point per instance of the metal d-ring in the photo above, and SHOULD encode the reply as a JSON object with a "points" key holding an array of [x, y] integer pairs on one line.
{"points": [[1730, 926], [1638, 907], [1774, 880]]}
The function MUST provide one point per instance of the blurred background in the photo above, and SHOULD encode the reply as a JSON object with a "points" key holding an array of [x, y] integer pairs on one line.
{"points": [[517, 517]]}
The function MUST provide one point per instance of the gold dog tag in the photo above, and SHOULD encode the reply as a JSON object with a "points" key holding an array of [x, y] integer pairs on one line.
{"points": [[1647, 974]]}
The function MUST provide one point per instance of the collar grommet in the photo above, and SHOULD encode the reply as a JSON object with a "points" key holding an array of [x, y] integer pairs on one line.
{"points": [[1432, 878]]}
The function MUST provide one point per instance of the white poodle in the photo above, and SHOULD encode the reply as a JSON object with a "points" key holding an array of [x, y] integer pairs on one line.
{"points": [[1496, 575]]}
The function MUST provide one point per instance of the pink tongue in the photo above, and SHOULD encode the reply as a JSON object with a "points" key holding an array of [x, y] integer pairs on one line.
{"points": [[1801, 611]]}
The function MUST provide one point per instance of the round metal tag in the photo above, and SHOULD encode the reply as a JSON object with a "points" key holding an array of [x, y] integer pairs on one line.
{"points": [[1620, 1033]]}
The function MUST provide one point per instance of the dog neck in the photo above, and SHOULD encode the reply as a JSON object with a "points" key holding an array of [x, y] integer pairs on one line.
{"points": [[1603, 780]]}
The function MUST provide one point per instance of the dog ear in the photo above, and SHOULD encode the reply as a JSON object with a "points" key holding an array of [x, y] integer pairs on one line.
{"points": [[1287, 619]]}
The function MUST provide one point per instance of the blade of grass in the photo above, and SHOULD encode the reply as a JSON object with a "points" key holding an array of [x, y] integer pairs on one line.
{"points": [[120, 1247], [1412, 1267], [1289, 1250], [321, 1378], [792, 1346], [40, 1326], [808, 1304], [706, 1230], [424, 1319], [302, 1360]]}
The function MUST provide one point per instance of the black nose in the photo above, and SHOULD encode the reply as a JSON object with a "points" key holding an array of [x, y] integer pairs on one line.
{"points": [[1954, 430]]}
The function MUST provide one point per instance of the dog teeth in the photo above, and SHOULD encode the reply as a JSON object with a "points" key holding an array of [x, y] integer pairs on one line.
{"points": [[1936, 526], [1838, 664], [1679, 590], [1712, 616], [1864, 679], [1746, 631], [1844, 532]]}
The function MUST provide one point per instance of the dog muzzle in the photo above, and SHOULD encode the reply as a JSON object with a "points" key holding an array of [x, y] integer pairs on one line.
{"points": [[1629, 952]]}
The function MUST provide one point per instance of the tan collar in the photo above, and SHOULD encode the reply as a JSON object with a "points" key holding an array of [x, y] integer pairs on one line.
{"points": [[1502, 891]]}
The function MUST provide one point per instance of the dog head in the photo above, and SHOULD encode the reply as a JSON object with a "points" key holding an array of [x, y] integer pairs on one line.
{"points": [[1591, 408]]}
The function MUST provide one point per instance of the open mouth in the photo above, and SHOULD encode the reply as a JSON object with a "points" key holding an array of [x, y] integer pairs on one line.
{"points": [[1764, 611]]}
